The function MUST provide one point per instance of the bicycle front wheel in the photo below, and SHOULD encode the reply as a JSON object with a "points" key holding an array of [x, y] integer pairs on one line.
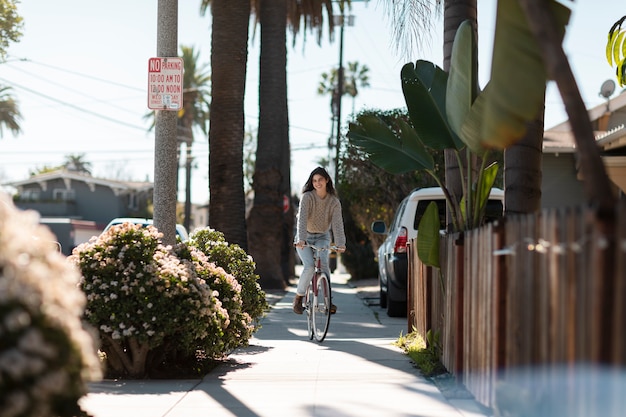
{"points": [[308, 307], [321, 307]]}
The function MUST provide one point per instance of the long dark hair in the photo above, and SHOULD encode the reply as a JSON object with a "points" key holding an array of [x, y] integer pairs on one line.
{"points": [[308, 186]]}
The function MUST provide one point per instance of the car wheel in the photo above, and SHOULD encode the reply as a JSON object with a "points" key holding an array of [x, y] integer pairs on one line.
{"points": [[396, 308], [383, 299]]}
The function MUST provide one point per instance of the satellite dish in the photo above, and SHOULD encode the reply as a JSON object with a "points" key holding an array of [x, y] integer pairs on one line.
{"points": [[607, 88]]}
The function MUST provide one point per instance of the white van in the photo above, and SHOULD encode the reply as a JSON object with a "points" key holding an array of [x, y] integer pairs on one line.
{"points": [[392, 253]]}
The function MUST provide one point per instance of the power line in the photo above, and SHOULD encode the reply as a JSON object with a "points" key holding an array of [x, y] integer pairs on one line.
{"points": [[73, 106], [80, 74], [65, 87]]}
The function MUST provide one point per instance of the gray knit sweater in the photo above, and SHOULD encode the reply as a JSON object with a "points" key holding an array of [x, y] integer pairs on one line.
{"points": [[319, 215]]}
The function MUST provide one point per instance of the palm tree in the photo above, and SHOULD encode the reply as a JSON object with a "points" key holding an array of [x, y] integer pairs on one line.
{"points": [[10, 115], [229, 55], [77, 163], [266, 216], [597, 184], [195, 113], [356, 75], [270, 229]]}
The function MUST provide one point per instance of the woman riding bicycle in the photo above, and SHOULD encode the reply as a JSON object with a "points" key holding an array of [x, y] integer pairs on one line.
{"points": [[318, 214]]}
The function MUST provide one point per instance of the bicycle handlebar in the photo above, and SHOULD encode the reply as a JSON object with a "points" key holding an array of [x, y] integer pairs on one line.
{"points": [[319, 248]]}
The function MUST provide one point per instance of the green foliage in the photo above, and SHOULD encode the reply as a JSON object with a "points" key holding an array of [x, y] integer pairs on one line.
{"points": [[368, 192], [505, 106], [425, 353], [359, 255], [141, 297], [157, 308], [428, 232], [616, 50], [11, 24], [235, 261], [47, 353]]}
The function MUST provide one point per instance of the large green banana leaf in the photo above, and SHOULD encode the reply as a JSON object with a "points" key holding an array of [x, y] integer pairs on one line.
{"points": [[428, 236], [518, 75], [462, 88], [393, 153], [424, 88]]}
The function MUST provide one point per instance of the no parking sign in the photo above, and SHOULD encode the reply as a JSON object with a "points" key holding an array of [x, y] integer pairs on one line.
{"points": [[165, 83]]}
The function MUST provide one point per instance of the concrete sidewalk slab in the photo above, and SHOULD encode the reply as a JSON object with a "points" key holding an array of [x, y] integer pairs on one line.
{"points": [[356, 371]]}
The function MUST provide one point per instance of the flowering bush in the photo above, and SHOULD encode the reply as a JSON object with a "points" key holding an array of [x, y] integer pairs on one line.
{"points": [[158, 307], [147, 303], [237, 262], [239, 327], [46, 353]]}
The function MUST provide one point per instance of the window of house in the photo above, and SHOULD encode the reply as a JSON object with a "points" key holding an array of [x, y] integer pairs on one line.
{"points": [[63, 194], [29, 195], [132, 201]]}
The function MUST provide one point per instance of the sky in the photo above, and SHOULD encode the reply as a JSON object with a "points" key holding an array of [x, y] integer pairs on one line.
{"points": [[79, 74]]}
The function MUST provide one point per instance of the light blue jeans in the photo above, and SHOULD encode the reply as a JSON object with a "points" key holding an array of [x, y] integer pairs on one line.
{"points": [[321, 240]]}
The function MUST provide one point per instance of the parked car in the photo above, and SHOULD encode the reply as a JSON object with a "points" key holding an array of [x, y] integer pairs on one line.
{"points": [[392, 253], [181, 232]]}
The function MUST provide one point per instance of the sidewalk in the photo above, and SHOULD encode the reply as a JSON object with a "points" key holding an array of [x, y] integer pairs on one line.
{"points": [[356, 371]]}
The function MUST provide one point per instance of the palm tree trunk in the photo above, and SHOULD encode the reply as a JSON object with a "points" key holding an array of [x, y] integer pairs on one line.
{"points": [[522, 171], [455, 13], [265, 231], [229, 55], [596, 181]]}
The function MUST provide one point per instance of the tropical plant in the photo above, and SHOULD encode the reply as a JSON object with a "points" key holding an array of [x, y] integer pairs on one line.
{"points": [[47, 353], [10, 115], [229, 56], [450, 112], [265, 219], [270, 230], [404, 147], [616, 50], [194, 113], [77, 163], [356, 76], [368, 191]]}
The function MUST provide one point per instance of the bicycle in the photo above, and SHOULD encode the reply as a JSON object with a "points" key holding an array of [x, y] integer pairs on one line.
{"points": [[318, 298]]}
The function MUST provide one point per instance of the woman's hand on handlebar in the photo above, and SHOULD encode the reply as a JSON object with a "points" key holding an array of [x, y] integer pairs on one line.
{"points": [[300, 244], [340, 249]]}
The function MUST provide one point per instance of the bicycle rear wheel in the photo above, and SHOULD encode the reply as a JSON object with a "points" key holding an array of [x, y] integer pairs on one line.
{"points": [[308, 307], [321, 308]]}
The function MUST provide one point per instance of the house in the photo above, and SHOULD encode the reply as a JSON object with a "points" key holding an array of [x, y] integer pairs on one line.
{"points": [[76, 206], [561, 181]]}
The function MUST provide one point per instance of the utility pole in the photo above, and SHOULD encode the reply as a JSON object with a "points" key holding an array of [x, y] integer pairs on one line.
{"points": [[165, 155], [340, 82]]}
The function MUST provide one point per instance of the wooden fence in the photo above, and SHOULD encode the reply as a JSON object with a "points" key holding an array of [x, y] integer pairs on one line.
{"points": [[524, 305]]}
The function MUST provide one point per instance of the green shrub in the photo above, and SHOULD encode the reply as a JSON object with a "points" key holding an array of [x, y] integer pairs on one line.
{"points": [[237, 262], [238, 327], [46, 353], [148, 304], [425, 354]]}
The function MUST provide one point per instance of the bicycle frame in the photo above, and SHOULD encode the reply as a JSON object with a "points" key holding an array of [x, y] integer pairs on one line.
{"points": [[318, 305]]}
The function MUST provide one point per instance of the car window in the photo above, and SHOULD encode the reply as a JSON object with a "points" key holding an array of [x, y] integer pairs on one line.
{"points": [[493, 211], [421, 208], [396, 220]]}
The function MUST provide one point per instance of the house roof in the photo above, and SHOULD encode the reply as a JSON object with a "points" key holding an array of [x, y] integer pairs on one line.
{"points": [[68, 176], [559, 138]]}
